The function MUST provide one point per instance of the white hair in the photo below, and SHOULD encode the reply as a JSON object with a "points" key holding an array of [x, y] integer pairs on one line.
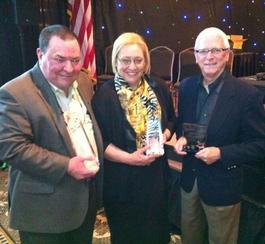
{"points": [[211, 32]]}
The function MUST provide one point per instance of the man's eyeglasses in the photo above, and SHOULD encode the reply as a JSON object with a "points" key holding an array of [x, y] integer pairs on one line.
{"points": [[214, 51], [128, 61]]}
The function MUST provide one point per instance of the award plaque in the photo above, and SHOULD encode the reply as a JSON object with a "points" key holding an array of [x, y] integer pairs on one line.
{"points": [[195, 135]]}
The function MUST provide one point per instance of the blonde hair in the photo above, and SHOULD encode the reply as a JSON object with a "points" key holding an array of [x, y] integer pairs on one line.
{"points": [[211, 32], [129, 38]]}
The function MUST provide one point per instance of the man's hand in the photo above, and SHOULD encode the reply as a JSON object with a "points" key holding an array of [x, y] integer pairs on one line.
{"points": [[81, 168], [181, 142], [209, 155]]}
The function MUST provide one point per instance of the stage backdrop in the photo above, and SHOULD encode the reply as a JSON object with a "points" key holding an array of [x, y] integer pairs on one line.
{"points": [[174, 23]]}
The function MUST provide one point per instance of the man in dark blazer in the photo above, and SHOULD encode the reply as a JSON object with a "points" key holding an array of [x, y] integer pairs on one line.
{"points": [[52, 194], [233, 115]]}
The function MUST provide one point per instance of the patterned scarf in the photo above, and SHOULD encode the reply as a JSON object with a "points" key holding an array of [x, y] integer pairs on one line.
{"points": [[140, 105]]}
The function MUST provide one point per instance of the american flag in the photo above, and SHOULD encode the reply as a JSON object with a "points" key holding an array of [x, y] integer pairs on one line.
{"points": [[81, 24]]}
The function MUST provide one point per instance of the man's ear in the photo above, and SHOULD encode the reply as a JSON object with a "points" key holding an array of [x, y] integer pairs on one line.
{"points": [[39, 53], [227, 55]]}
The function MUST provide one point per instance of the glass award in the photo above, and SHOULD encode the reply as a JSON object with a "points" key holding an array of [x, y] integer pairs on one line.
{"points": [[154, 137], [195, 135], [80, 139]]}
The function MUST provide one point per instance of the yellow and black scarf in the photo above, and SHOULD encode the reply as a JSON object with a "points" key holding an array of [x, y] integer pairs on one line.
{"points": [[140, 105]]}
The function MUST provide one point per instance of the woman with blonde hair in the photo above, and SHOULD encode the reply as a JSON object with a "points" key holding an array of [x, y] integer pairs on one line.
{"points": [[134, 110]]}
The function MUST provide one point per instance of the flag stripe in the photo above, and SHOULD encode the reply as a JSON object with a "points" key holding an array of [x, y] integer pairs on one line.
{"points": [[82, 25], [75, 8]]}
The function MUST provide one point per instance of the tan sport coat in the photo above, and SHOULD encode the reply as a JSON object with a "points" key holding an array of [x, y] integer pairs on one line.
{"points": [[35, 143]]}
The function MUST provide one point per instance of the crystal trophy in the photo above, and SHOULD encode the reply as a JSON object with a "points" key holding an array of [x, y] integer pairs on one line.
{"points": [[195, 135], [154, 137], [80, 139]]}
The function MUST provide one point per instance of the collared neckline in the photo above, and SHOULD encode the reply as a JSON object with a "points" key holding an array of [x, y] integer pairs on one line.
{"points": [[61, 92], [211, 87]]}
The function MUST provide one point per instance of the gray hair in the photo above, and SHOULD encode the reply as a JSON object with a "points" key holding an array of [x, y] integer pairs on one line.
{"points": [[211, 32]]}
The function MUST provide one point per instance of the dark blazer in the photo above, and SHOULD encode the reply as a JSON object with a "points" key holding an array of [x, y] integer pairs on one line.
{"points": [[237, 127], [35, 143]]}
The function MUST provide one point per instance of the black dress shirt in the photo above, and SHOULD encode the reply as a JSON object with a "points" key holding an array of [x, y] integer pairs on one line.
{"points": [[207, 99]]}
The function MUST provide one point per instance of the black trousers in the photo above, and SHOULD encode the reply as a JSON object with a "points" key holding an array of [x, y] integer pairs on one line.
{"points": [[134, 224], [81, 235]]}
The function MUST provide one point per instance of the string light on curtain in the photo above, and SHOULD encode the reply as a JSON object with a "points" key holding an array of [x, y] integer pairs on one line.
{"points": [[139, 16], [227, 7], [185, 17], [119, 5], [148, 32]]}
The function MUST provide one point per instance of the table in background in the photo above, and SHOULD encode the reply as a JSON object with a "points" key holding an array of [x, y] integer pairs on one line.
{"points": [[252, 80], [244, 64]]}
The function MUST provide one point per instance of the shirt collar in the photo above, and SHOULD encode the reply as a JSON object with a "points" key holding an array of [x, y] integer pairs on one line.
{"points": [[59, 91], [214, 84]]}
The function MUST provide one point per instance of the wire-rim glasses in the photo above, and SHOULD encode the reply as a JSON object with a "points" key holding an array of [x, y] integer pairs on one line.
{"points": [[214, 51], [128, 61]]}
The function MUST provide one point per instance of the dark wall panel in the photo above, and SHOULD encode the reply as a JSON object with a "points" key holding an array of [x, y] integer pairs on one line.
{"points": [[26, 12], [18, 49], [39, 12], [20, 24], [11, 57]]}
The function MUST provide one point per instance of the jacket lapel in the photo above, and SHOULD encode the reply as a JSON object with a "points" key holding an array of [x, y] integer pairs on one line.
{"points": [[189, 100], [223, 106], [49, 99]]}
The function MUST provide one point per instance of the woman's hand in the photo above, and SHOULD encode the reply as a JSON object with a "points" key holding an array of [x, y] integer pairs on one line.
{"points": [[139, 157], [166, 135], [136, 158]]}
